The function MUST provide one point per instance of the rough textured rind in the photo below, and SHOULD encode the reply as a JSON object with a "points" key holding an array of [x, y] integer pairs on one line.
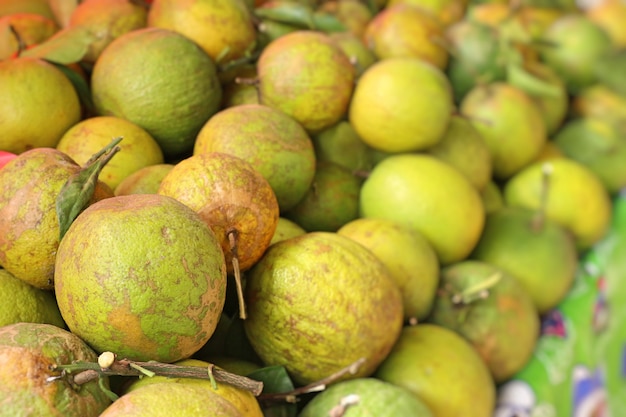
{"points": [[229, 194], [27, 350], [29, 229], [318, 303], [141, 276], [306, 75]]}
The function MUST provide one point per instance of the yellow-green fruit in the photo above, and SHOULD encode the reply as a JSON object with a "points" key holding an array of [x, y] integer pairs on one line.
{"points": [[430, 196], [137, 149], [446, 11], [28, 386], [271, 141], [33, 120], [515, 237], [25, 303], [224, 29], [492, 197], [306, 75], [510, 123], [373, 397], [29, 227], [319, 302], [464, 148], [286, 229], [171, 400], [411, 260], [441, 368], [401, 105], [142, 276], [331, 201], [575, 198], [108, 20], [162, 82], [31, 28], [405, 30], [353, 46], [144, 181], [243, 400]]}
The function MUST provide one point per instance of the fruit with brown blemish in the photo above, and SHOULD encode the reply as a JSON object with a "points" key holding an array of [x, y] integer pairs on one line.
{"points": [[142, 276]]}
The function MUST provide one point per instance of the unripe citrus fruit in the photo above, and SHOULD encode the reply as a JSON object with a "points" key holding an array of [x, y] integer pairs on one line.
{"points": [[34, 120], [141, 276], [144, 181], [222, 28], [446, 11], [137, 149], [401, 105], [411, 260], [29, 227], [316, 89], [405, 30], [510, 123], [28, 385], [576, 198], [318, 303], [108, 19], [443, 369], [171, 400], [244, 400], [430, 196], [161, 81], [274, 143], [364, 397], [232, 198], [31, 28], [25, 303]]}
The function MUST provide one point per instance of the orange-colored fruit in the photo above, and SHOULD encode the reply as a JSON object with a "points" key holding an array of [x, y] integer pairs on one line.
{"points": [[29, 228], [28, 387], [35, 120], [141, 276], [31, 29]]}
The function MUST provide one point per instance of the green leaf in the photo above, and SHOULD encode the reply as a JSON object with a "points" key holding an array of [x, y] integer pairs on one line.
{"points": [[81, 87], [67, 46], [79, 189], [275, 380], [296, 14]]}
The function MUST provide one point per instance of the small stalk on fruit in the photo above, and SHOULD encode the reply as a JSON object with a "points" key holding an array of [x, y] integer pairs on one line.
{"points": [[232, 239], [476, 292]]}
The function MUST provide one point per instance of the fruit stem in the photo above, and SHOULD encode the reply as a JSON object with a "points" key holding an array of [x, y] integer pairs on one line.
{"points": [[232, 239], [539, 219], [478, 291], [21, 45], [83, 372], [316, 386]]}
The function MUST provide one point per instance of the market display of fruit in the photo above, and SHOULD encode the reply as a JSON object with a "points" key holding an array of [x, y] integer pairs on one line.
{"points": [[313, 208]]}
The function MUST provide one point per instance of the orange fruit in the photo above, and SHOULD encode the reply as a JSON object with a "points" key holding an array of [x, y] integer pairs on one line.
{"points": [[316, 99], [447, 12], [610, 16], [405, 30], [31, 28], [25, 303], [431, 197], [171, 400], [145, 180], [138, 149], [271, 141], [108, 19], [224, 29], [161, 81], [319, 302], [510, 122], [129, 280], [29, 227], [441, 368], [28, 387], [232, 197], [401, 105], [35, 120], [243, 400]]}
